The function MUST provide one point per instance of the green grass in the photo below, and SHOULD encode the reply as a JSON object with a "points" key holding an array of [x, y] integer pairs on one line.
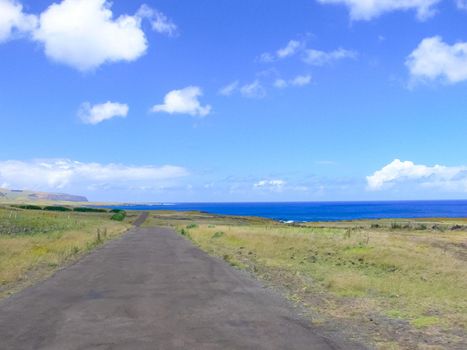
{"points": [[425, 321], [411, 271], [35, 243]]}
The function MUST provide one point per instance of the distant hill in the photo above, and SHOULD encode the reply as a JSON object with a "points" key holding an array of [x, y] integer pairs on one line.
{"points": [[24, 195]]}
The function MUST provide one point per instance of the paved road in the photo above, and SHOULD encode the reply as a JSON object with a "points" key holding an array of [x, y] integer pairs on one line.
{"points": [[152, 290]]}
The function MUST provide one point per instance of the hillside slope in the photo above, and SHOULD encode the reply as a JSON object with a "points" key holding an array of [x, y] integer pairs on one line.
{"points": [[24, 195]]}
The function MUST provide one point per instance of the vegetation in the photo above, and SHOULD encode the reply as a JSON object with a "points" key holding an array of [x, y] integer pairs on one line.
{"points": [[397, 283], [35, 243], [27, 206], [57, 208], [119, 216], [89, 210]]}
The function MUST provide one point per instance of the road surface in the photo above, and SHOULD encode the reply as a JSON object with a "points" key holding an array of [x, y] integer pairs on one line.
{"points": [[152, 289]]}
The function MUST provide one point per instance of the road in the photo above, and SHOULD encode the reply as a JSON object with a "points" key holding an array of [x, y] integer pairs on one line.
{"points": [[152, 289]]}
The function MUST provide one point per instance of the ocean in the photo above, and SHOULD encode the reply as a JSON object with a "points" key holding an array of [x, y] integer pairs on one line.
{"points": [[322, 211]]}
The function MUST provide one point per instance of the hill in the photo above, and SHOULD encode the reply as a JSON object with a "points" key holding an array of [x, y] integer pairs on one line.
{"points": [[27, 196]]}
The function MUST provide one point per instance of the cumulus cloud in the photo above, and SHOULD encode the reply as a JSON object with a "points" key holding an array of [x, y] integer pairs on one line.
{"points": [[184, 101], [253, 90], [299, 80], [370, 9], [271, 185], [95, 114], [13, 21], [321, 58], [84, 34], [434, 59], [51, 174], [437, 176]]}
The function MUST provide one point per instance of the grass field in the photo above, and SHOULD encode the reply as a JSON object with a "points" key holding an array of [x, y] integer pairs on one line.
{"points": [[391, 283], [35, 243]]}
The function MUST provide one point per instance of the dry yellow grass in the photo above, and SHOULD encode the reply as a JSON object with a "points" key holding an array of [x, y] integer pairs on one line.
{"points": [[33, 244], [414, 275]]}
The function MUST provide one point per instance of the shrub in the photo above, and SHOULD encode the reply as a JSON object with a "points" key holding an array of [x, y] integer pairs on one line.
{"points": [[218, 234], [90, 210], [118, 216], [27, 206], [56, 208], [117, 211]]}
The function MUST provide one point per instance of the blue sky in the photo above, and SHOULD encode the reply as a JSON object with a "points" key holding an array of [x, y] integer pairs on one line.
{"points": [[242, 100]]}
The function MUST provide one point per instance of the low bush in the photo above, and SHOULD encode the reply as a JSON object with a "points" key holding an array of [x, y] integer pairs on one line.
{"points": [[27, 206], [56, 208], [218, 234], [118, 216], [90, 210]]}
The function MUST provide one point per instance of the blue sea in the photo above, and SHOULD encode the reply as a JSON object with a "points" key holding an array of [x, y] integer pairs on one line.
{"points": [[322, 211]]}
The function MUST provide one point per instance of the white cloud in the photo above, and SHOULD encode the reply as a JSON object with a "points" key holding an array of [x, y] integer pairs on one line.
{"points": [[299, 80], [280, 83], [320, 58], [159, 21], [271, 185], [434, 59], [98, 113], [250, 90], [229, 89], [290, 49], [13, 20], [308, 56], [370, 9], [253, 90], [84, 34], [50, 174], [266, 57], [184, 101], [437, 176]]}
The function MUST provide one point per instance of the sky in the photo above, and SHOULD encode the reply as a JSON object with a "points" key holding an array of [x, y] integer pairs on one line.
{"points": [[246, 100]]}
